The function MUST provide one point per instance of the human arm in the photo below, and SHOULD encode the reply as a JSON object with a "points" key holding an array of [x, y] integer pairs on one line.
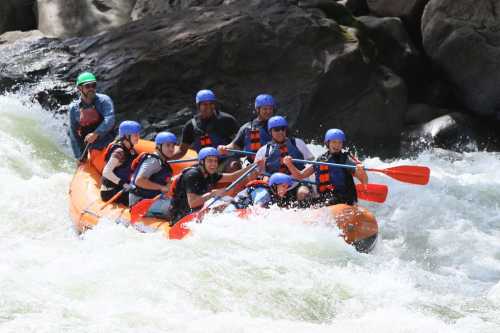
{"points": [[147, 169], [73, 130], [186, 141], [296, 173], [115, 160]]}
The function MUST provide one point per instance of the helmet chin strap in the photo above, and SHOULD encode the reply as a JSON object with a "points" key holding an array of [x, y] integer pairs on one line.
{"points": [[160, 151]]}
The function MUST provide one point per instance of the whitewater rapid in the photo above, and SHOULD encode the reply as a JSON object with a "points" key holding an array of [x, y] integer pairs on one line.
{"points": [[436, 267]]}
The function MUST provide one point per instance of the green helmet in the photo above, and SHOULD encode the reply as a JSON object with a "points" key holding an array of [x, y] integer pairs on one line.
{"points": [[85, 77]]}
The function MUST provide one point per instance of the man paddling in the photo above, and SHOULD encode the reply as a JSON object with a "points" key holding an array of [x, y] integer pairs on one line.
{"points": [[152, 173], [254, 134], [280, 146], [91, 117], [209, 128], [334, 184], [195, 185]]}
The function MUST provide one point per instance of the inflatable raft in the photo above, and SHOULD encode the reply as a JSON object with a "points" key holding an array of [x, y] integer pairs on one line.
{"points": [[358, 226]]}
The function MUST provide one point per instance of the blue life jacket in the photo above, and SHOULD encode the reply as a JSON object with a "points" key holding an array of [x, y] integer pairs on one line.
{"points": [[341, 178], [122, 171], [255, 136], [209, 137], [161, 177], [275, 153]]}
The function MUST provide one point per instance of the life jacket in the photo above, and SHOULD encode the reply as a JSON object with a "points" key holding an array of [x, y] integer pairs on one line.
{"points": [[179, 207], [122, 171], [208, 137], [89, 120], [255, 136], [276, 152], [336, 179], [161, 177]]}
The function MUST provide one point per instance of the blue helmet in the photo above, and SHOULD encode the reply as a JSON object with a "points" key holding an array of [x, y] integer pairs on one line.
{"points": [[165, 137], [334, 134], [276, 121], [205, 95], [264, 100], [129, 127], [206, 152], [279, 178]]}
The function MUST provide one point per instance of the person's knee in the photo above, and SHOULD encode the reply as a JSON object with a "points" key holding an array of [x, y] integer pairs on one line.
{"points": [[303, 193]]}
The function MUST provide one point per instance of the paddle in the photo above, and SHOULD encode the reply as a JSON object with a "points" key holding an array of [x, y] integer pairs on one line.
{"points": [[367, 192], [412, 174], [107, 203], [141, 208], [179, 230], [83, 156]]}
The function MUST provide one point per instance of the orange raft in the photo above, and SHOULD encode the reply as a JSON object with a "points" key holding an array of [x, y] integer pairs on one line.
{"points": [[358, 226], [85, 204]]}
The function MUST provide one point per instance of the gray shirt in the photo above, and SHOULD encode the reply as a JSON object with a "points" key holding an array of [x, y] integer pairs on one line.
{"points": [[149, 167]]}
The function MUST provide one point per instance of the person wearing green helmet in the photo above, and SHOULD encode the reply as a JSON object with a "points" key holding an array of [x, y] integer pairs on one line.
{"points": [[91, 117]]}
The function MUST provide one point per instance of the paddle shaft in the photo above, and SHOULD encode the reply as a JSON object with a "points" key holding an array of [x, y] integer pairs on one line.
{"points": [[84, 153], [113, 199], [405, 173], [233, 184]]}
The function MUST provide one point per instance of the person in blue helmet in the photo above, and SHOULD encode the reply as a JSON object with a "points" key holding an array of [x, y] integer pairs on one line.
{"points": [[280, 146], [91, 117], [118, 157], [209, 128], [197, 184], [265, 193], [335, 185], [152, 173], [254, 134]]}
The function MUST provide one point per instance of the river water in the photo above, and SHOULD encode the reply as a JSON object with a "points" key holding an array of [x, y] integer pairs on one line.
{"points": [[436, 267]]}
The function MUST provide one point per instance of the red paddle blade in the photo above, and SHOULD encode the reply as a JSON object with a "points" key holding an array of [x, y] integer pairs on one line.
{"points": [[180, 230], [372, 192], [412, 174], [140, 209]]}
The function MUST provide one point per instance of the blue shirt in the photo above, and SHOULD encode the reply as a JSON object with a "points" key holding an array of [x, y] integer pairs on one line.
{"points": [[103, 105]]}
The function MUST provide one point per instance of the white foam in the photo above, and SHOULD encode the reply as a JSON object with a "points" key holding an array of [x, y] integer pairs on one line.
{"points": [[436, 267]]}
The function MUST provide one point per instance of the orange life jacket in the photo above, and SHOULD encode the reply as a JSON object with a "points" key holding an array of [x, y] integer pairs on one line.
{"points": [[283, 153], [205, 141], [255, 139], [324, 179]]}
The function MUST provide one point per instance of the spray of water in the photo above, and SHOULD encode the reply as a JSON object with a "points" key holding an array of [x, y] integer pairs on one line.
{"points": [[436, 267]]}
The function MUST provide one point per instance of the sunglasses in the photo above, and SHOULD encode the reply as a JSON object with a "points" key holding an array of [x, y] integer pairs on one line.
{"points": [[90, 85], [279, 129]]}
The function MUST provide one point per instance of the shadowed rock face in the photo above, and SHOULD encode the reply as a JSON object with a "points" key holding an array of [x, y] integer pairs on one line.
{"points": [[68, 18], [17, 15], [463, 38], [455, 131], [323, 75], [410, 11]]}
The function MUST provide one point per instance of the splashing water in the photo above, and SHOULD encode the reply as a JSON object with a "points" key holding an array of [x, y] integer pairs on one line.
{"points": [[436, 267]]}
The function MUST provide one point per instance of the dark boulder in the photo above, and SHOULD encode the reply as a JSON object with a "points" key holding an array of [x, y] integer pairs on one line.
{"points": [[17, 15], [462, 37], [144, 8], [357, 7], [410, 11], [396, 50], [68, 18], [422, 113], [455, 131]]}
